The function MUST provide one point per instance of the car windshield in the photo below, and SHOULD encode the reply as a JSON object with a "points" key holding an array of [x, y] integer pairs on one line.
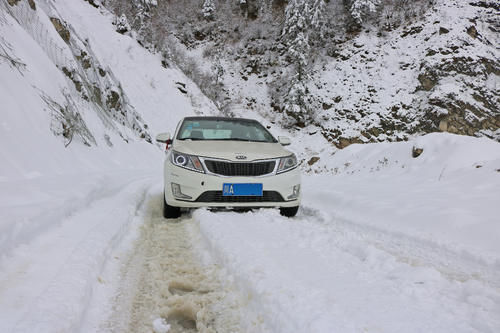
{"points": [[224, 129]]}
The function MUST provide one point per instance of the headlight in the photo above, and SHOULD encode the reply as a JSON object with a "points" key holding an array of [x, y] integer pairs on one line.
{"points": [[187, 161], [287, 163]]}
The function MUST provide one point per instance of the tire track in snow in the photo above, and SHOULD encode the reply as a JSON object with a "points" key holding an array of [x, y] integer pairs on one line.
{"points": [[42, 217], [164, 279], [455, 266], [79, 251]]}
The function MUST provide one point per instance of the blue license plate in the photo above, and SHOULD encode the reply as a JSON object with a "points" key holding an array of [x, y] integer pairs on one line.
{"points": [[229, 189]]}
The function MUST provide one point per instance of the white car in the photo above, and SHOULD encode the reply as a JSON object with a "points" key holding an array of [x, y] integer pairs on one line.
{"points": [[228, 163]]}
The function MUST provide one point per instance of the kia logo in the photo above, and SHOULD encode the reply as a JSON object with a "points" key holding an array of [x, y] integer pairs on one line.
{"points": [[241, 157]]}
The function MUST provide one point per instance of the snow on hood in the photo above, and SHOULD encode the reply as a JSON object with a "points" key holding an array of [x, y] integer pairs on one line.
{"points": [[230, 149]]}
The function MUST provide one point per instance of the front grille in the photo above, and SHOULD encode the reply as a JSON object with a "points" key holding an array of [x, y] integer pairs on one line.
{"points": [[240, 168], [216, 196]]}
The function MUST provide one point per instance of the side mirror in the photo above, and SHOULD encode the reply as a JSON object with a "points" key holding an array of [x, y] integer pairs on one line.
{"points": [[284, 140], [163, 137]]}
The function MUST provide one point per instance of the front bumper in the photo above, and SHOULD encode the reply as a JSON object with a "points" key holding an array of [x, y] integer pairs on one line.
{"points": [[205, 190]]}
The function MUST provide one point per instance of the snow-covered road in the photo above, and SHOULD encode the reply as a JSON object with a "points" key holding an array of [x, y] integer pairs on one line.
{"points": [[392, 244], [165, 285], [114, 264], [260, 272]]}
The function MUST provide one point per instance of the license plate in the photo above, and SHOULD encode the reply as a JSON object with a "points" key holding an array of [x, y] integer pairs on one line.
{"points": [[229, 189]]}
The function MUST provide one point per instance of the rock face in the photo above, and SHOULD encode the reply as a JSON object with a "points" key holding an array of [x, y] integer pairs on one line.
{"points": [[473, 107], [447, 80], [472, 31], [61, 29], [13, 2]]}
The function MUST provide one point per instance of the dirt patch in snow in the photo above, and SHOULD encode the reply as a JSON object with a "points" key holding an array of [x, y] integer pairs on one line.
{"points": [[165, 279]]}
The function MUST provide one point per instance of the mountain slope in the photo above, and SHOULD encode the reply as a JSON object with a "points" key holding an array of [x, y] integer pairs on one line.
{"points": [[409, 68], [61, 96]]}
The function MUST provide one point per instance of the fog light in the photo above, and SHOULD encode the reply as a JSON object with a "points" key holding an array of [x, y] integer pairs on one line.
{"points": [[176, 191], [296, 192]]}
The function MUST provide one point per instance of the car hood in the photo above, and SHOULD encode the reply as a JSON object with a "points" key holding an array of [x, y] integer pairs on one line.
{"points": [[230, 149]]}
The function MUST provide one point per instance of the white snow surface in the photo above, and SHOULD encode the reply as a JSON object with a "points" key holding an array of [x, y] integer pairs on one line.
{"points": [[160, 325], [389, 243]]}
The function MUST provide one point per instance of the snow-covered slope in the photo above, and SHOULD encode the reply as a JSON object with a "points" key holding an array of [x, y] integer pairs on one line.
{"points": [[439, 73], [36, 95], [446, 195]]}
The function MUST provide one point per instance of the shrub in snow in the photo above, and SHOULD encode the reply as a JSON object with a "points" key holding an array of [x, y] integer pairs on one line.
{"points": [[67, 122], [6, 54], [122, 25], [250, 8], [95, 3]]}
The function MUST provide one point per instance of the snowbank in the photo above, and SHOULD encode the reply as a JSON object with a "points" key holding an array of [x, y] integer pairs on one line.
{"points": [[447, 195]]}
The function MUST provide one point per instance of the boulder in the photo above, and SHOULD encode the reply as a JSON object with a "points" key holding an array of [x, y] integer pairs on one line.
{"points": [[443, 30], [313, 160], [416, 152], [472, 31], [426, 81]]}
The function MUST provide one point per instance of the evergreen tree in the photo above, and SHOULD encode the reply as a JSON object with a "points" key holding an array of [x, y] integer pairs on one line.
{"points": [[217, 68], [361, 9], [298, 103], [208, 9], [301, 18], [317, 10]]}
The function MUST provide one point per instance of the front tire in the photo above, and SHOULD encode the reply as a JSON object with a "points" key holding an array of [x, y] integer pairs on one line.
{"points": [[170, 212], [289, 211]]}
